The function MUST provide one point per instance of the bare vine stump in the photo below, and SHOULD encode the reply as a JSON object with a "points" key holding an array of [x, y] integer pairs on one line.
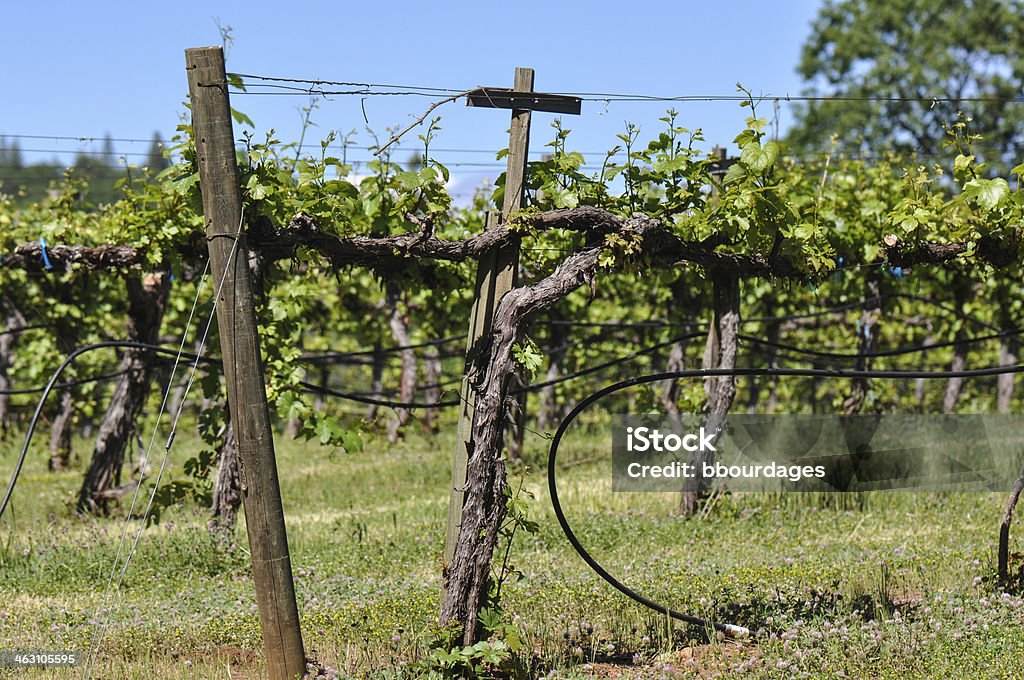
{"points": [[720, 352], [1004, 531], [147, 299], [227, 490]]}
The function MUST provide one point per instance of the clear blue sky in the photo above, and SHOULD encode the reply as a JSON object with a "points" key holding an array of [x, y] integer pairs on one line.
{"points": [[95, 68]]}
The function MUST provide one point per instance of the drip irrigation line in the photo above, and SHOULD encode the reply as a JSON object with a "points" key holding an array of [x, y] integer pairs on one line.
{"points": [[604, 335], [726, 628], [362, 398], [882, 353], [327, 356], [807, 315], [781, 319], [310, 387], [84, 381], [697, 324], [99, 635], [608, 364], [354, 396], [626, 324], [369, 398], [51, 385], [945, 307], [22, 329]]}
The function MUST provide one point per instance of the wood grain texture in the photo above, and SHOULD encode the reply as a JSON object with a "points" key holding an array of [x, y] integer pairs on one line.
{"points": [[243, 366]]}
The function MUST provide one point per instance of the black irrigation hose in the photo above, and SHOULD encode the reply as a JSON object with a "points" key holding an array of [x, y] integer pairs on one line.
{"points": [[788, 317], [75, 383], [694, 324], [605, 334], [363, 399], [351, 396], [625, 324], [22, 329], [310, 387], [552, 456], [53, 382], [329, 356], [759, 341], [726, 628], [944, 307], [807, 315], [367, 398], [607, 364], [882, 353]]}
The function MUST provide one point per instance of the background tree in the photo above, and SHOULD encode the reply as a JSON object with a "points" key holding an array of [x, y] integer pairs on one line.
{"points": [[894, 52], [155, 159]]}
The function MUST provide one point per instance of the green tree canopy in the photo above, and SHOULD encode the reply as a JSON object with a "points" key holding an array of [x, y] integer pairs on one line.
{"points": [[908, 67]]}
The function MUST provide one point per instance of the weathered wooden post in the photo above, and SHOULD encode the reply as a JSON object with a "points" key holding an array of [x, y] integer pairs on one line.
{"points": [[496, 271], [243, 366]]}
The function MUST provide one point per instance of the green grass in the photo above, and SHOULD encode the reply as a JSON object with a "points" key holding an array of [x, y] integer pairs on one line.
{"points": [[888, 585]]}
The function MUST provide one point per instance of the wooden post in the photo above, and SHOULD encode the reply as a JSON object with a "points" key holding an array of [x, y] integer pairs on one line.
{"points": [[495, 275], [243, 366]]}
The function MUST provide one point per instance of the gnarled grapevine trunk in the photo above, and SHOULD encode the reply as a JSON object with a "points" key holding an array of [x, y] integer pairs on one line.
{"points": [[14, 320], [227, 490], [720, 352], [147, 299], [466, 579]]}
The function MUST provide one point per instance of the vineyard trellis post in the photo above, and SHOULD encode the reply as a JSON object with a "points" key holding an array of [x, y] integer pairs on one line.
{"points": [[496, 270], [243, 366]]}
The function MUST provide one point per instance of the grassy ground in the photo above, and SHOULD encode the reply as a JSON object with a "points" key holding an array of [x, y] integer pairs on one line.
{"points": [[886, 586]]}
